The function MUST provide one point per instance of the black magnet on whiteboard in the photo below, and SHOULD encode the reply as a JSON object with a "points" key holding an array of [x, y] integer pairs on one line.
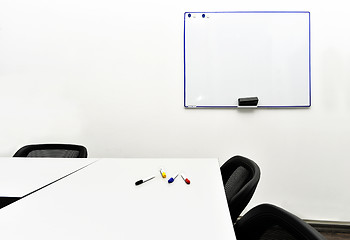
{"points": [[248, 101]]}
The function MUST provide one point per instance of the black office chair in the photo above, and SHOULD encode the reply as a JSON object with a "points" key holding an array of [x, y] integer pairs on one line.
{"points": [[240, 176], [52, 151], [4, 201], [268, 222]]}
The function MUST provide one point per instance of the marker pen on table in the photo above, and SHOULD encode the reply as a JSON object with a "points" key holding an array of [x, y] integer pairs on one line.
{"points": [[162, 173], [172, 179], [185, 179], [143, 180]]}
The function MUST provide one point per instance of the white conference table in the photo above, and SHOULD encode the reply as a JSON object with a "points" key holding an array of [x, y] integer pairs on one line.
{"points": [[21, 176], [101, 201]]}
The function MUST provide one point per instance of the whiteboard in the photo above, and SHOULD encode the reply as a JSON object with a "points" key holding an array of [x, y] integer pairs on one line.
{"points": [[231, 55]]}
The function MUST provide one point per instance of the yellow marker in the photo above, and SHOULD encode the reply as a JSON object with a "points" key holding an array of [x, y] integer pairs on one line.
{"points": [[162, 173]]}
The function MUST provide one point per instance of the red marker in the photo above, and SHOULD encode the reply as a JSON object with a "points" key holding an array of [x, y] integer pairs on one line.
{"points": [[185, 179]]}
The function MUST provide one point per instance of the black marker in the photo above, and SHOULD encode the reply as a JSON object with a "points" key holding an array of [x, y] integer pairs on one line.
{"points": [[144, 180]]}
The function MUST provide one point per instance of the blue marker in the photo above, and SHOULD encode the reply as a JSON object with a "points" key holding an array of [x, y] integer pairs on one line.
{"points": [[172, 179]]}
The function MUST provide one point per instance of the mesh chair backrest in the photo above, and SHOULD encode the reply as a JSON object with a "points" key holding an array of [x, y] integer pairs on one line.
{"points": [[269, 222], [236, 181], [240, 176], [277, 233], [54, 153]]}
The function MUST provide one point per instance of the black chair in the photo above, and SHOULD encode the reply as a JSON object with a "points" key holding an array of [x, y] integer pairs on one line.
{"points": [[268, 222], [240, 176], [4, 201], [52, 151]]}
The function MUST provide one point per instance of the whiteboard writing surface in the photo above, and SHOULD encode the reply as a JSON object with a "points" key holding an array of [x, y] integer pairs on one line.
{"points": [[231, 55]]}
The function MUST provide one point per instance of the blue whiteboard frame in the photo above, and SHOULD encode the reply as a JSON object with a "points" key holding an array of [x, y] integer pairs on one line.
{"points": [[234, 106]]}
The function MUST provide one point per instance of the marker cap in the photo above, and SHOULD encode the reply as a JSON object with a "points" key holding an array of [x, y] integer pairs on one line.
{"points": [[138, 182], [162, 173], [185, 179], [172, 179]]}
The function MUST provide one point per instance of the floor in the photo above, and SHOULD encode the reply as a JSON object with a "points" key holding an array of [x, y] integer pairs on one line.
{"points": [[331, 232], [336, 236]]}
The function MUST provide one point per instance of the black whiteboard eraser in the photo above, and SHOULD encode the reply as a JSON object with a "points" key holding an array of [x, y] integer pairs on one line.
{"points": [[248, 101]]}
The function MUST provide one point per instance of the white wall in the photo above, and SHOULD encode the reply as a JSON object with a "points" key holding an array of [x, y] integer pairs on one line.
{"points": [[109, 75]]}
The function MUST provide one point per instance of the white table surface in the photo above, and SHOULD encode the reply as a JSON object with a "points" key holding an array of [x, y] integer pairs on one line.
{"points": [[101, 201], [20, 176]]}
